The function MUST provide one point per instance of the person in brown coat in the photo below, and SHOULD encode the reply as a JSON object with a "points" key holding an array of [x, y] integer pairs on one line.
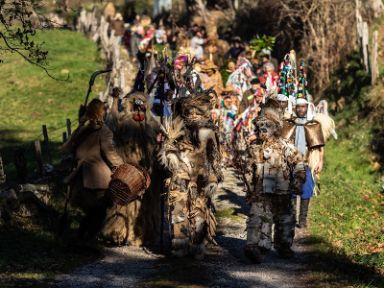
{"points": [[210, 77], [117, 24], [95, 159]]}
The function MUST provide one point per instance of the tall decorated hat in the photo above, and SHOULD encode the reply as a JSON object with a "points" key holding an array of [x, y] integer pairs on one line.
{"points": [[287, 79], [302, 85], [302, 94]]}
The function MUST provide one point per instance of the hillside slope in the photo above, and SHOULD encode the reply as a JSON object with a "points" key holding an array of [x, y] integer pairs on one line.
{"points": [[30, 253], [347, 217], [29, 98]]}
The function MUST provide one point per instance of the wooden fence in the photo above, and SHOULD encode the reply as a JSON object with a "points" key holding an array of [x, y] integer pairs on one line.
{"points": [[115, 55]]}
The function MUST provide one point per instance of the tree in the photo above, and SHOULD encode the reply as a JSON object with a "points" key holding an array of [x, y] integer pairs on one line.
{"points": [[17, 30]]}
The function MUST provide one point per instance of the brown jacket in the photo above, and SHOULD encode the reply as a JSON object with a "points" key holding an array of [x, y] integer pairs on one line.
{"points": [[95, 155]]}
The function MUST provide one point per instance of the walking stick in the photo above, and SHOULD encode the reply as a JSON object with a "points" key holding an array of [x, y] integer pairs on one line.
{"points": [[90, 84], [161, 78]]}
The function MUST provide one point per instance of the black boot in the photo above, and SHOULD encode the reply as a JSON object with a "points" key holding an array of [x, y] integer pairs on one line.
{"points": [[304, 204], [254, 253], [285, 252]]}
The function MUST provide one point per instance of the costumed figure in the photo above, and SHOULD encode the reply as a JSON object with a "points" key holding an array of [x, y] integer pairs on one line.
{"points": [[211, 78], [95, 158], [135, 131], [270, 78], [307, 135], [287, 85], [228, 113], [185, 78], [277, 171], [249, 109], [327, 123], [239, 79], [160, 85], [191, 154]]}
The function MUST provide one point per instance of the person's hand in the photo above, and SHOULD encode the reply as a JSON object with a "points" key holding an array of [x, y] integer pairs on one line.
{"points": [[160, 138], [116, 91], [319, 167]]}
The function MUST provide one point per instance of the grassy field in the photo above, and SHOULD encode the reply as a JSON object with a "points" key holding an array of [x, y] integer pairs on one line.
{"points": [[347, 218], [29, 98], [29, 252]]}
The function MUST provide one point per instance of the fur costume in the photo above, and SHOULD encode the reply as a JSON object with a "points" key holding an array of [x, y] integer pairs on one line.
{"points": [[277, 171], [190, 188], [328, 129], [135, 131], [190, 152]]}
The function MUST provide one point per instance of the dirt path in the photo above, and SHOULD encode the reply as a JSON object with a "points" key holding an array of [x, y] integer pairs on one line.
{"points": [[224, 266]]}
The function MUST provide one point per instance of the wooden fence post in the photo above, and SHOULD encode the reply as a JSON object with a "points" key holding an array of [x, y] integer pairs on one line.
{"points": [[21, 165], [374, 65], [46, 144], [69, 128], [39, 158], [363, 33], [65, 138], [3, 177]]}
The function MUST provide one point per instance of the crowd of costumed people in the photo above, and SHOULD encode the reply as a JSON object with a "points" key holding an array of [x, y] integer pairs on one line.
{"points": [[152, 160]]}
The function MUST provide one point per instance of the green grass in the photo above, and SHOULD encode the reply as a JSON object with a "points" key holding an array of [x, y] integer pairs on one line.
{"points": [[228, 213], [29, 98], [347, 217], [30, 255]]}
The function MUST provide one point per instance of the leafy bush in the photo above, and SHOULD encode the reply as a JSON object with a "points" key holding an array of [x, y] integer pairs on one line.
{"points": [[350, 82], [259, 43]]}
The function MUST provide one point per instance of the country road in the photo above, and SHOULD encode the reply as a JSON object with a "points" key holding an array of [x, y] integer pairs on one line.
{"points": [[224, 266]]}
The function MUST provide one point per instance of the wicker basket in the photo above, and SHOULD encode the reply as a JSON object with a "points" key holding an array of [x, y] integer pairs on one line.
{"points": [[129, 182]]}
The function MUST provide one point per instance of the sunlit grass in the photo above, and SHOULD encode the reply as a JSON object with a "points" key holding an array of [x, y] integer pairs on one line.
{"points": [[29, 98], [349, 212], [30, 254]]}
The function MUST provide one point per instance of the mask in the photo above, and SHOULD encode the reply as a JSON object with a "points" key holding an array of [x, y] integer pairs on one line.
{"points": [[267, 129], [139, 110]]}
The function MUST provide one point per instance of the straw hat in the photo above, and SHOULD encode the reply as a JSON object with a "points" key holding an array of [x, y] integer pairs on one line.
{"points": [[228, 90], [208, 65]]}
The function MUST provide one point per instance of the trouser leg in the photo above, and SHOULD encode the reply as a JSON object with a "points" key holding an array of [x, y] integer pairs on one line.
{"points": [[198, 226], [179, 223], [95, 214], [259, 224], [285, 220], [95, 218], [304, 206]]}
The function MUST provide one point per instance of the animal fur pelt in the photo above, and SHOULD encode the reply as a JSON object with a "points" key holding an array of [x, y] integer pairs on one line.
{"points": [[137, 222], [328, 129], [193, 178], [195, 111], [327, 125]]}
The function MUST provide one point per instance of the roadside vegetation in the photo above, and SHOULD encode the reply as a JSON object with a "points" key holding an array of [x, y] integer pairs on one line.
{"points": [[30, 252], [347, 217], [29, 98]]}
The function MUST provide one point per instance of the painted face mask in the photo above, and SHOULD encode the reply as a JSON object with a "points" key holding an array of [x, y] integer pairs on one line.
{"points": [[139, 110], [267, 129]]}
